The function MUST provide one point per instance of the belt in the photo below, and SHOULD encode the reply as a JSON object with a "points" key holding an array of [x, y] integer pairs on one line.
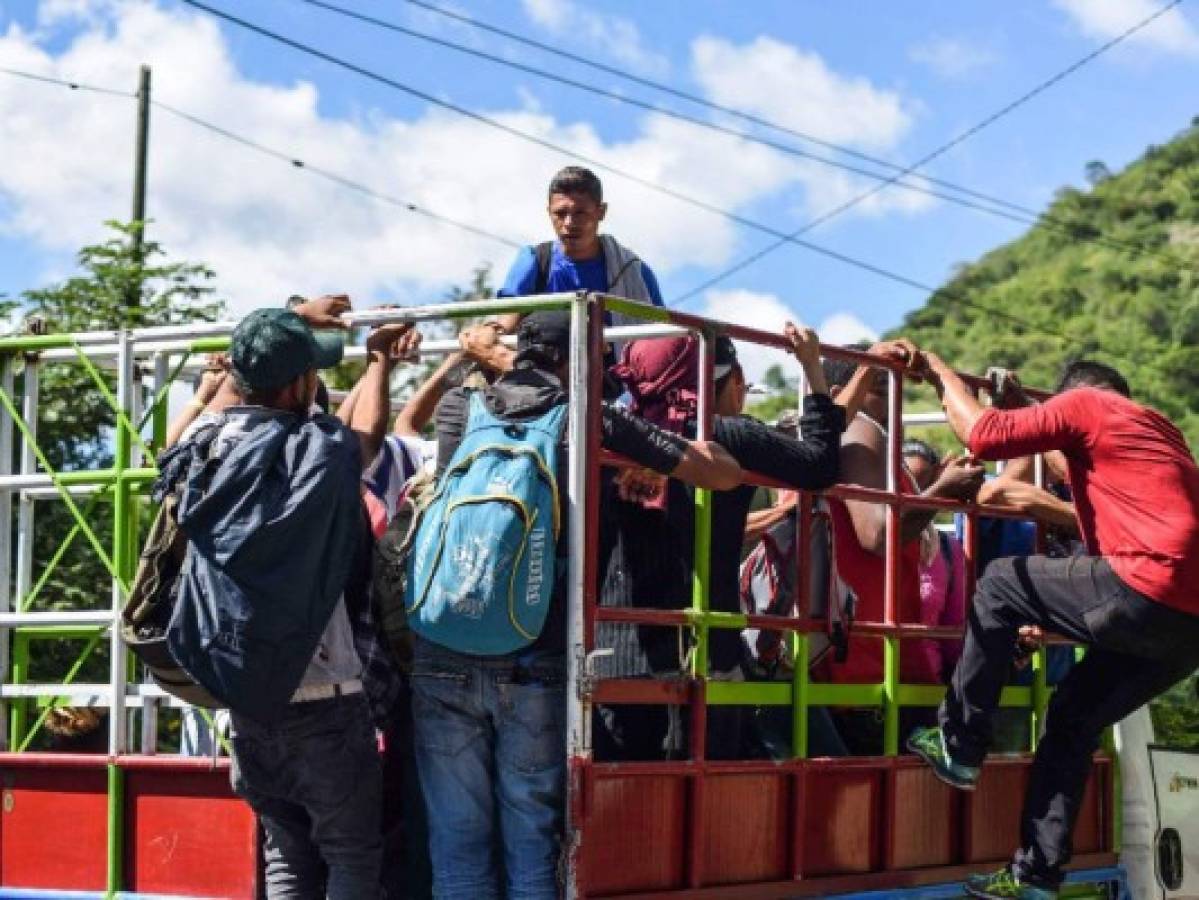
{"points": [[326, 691]]}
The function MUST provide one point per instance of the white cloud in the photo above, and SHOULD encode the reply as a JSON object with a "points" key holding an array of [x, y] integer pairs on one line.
{"points": [[270, 229], [952, 57], [612, 36], [1105, 19], [845, 328], [784, 84], [769, 313]]}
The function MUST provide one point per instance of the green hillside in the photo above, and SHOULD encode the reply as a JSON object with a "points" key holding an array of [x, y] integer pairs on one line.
{"points": [[1080, 283], [1084, 288]]}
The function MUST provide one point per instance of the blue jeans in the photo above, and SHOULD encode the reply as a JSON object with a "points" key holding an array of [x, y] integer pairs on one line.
{"points": [[313, 779], [491, 754]]}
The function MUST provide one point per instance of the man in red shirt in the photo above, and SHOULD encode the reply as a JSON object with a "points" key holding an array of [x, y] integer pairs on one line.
{"points": [[1133, 601]]}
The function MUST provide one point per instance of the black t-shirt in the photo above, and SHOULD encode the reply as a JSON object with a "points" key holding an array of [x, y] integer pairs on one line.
{"points": [[527, 393], [651, 566]]}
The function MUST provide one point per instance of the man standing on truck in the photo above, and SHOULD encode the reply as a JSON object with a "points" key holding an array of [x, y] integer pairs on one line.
{"points": [[1133, 602], [581, 259]]}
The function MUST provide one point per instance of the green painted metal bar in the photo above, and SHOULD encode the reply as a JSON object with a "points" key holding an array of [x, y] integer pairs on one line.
{"points": [[891, 694], [800, 695], [123, 421], [700, 584], [124, 513], [642, 311], [1040, 696], [18, 672], [6, 401], [116, 828], [158, 405], [23, 603], [69, 678]]}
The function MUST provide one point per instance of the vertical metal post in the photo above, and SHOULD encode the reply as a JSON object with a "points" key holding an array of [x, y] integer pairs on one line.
{"points": [[140, 164], [123, 559], [578, 690], [31, 384], [703, 513], [159, 423], [799, 639], [893, 574], [25, 509], [6, 605]]}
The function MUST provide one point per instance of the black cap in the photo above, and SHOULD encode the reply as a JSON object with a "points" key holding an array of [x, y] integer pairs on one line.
{"points": [[724, 357], [546, 333]]}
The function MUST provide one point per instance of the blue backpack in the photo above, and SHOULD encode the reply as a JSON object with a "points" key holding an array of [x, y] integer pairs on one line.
{"points": [[481, 570]]}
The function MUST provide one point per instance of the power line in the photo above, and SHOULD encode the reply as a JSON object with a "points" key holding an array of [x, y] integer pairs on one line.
{"points": [[940, 151], [667, 191], [292, 160], [334, 177], [999, 208], [73, 85]]}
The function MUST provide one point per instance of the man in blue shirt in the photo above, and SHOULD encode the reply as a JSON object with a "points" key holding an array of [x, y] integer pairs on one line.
{"points": [[581, 258]]}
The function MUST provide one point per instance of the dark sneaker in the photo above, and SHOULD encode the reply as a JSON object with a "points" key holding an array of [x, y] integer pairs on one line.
{"points": [[1004, 885], [929, 745]]}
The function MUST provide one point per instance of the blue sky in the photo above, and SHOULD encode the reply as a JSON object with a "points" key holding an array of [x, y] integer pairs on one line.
{"points": [[894, 79]]}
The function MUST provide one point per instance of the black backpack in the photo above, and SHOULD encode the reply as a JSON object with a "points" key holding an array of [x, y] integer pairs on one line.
{"points": [[147, 612]]}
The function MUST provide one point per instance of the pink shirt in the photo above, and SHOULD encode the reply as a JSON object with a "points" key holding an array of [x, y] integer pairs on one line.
{"points": [[942, 604]]}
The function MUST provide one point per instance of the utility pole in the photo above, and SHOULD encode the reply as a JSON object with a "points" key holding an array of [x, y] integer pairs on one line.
{"points": [[141, 150]]}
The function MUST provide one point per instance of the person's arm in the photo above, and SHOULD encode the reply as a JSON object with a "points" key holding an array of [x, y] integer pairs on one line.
{"points": [[760, 521], [863, 463], [215, 374], [345, 409], [385, 345], [704, 464], [860, 383], [1029, 499], [810, 464], [482, 344], [1003, 434], [324, 311], [419, 410]]}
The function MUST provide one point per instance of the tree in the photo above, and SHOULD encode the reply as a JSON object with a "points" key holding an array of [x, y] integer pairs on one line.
{"points": [[75, 422], [1097, 172]]}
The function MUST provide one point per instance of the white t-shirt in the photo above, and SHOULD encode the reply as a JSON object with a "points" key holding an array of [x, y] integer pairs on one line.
{"points": [[400, 457]]}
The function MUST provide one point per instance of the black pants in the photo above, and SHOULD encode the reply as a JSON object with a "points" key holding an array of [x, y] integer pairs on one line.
{"points": [[1137, 649]]}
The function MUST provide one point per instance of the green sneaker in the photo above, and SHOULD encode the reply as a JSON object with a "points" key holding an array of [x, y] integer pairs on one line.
{"points": [[1004, 885], [929, 745]]}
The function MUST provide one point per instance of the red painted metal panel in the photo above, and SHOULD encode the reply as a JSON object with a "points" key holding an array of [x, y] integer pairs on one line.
{"points": [[186, 833], [745, 828], [994, 821], [53, 829], [635, 834], [1090, 831], [928, 816], [842, 810]]}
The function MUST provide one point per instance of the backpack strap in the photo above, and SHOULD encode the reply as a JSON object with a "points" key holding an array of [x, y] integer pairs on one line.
{"points": [[544, 253]]}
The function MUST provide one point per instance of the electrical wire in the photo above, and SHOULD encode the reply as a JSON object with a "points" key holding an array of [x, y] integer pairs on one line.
{"points": [[73, 85], [938, 152], [335, 177], [662, 189], [997, 207], [277, 154]]}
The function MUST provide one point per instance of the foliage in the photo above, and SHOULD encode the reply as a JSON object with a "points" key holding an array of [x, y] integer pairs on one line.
{"points": [[115, 287], [1115, 271], [1127, 295]]}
